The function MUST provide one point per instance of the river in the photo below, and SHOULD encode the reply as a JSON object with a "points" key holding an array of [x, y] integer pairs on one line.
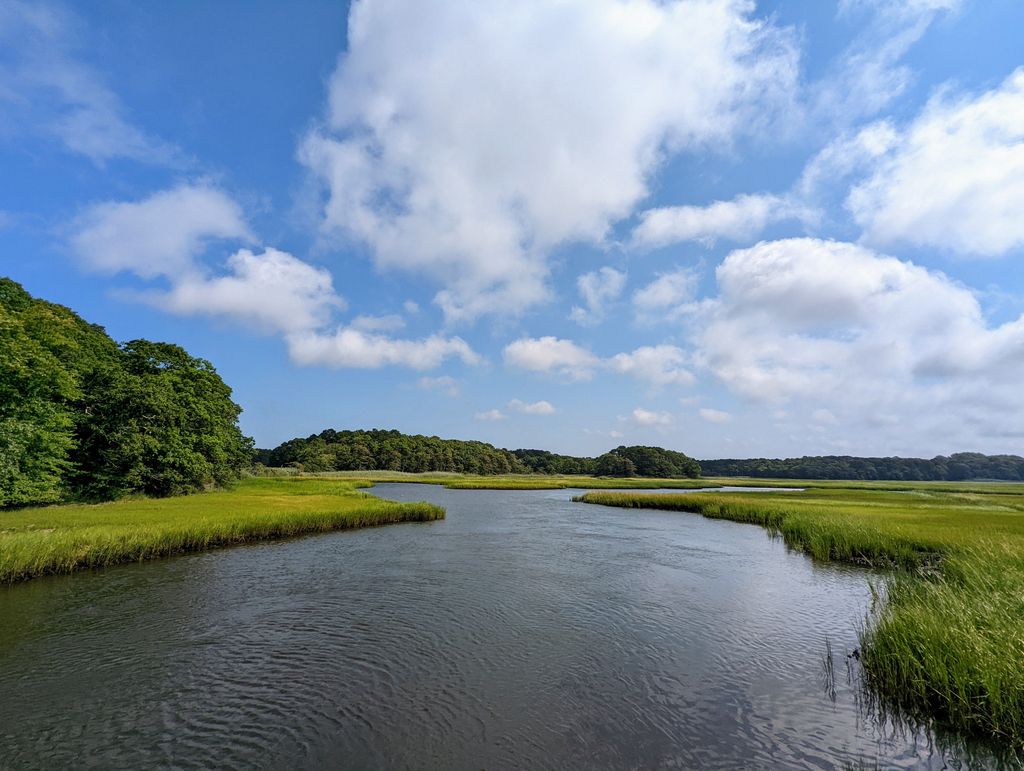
{"points": [[523, 630]]}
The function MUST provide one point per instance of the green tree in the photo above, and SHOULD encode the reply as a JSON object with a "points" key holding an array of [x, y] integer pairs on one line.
{"points": [[163, 424]]}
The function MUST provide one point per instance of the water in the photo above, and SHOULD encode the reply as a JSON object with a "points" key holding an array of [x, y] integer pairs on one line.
{"points": [[522, 631]]}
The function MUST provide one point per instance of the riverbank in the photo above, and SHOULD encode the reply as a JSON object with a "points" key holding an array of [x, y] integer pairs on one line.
{"points": [[61, 539], [948, 641]]}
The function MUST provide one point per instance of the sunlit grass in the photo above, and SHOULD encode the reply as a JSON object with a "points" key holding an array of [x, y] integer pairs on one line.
{"points": [[60, 539], [948, 642]]}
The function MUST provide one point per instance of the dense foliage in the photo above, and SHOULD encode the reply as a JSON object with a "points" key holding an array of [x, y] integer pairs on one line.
{"points": [[82, 417], [332, 450], [394, 451], [544, 462], [620, 462], [955, 468]]}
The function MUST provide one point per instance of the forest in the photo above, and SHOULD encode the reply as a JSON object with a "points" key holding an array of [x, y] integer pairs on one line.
{"points": [[332, 450], [954, 468], [85, 418]]}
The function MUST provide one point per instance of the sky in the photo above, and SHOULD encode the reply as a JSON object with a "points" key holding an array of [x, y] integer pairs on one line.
{"points": [[729, 228]]}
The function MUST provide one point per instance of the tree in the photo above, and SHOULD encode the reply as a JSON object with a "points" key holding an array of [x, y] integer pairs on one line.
{"points": [[612, 465], [163, 424]]}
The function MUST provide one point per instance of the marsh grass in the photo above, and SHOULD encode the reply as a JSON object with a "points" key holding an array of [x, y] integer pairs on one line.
{"points": [[947, 642], [61, 539], [517, 481]]}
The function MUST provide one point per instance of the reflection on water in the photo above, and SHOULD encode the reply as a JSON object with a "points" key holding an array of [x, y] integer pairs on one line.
{"points": [[523, 630]]}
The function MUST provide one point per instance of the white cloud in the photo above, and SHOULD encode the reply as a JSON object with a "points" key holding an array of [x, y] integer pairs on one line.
{"points": [[536, 408], [740, 219], [952, 179], [551, 355], [347, 347], [165, 234], [644, 417], [667, 296], [367, 323], [411, 306], [491, 415], [46, 88], [472, 174], [158, 236], [868, 76], [598, 289], [714, 416], [844, 156], [862, 336], [659, 365], [273, 290], [446, 384]]}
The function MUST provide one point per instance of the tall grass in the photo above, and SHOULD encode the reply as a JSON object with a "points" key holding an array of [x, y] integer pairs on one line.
{"points": [[947, 644], [60, 539]]}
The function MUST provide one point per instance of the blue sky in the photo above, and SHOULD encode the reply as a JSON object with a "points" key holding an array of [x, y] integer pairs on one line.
{"points": [[731, 228]]}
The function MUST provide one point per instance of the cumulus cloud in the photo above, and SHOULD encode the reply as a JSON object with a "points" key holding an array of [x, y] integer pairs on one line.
{"points": [[273, 290], [598, 289], [714, 416], [739, 219], [952, 179], [46, 87], [472, 174], [158, 236], [667, 296], [536, 408], [348, 347], [644, 417], [165, 235], [491, 415], [863, 336], [658, 365], [551, 355]]}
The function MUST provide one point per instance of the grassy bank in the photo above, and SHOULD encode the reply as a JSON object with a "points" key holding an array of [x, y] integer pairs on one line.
{"points": [[60, 539], [513, 481], [948, 643]]}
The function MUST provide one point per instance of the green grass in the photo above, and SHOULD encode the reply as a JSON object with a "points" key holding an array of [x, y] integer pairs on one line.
{"points": [[60, 539], [513, 481], [947, 642]]}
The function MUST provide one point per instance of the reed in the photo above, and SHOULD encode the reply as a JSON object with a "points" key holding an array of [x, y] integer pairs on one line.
{"points": [[61, 539]]}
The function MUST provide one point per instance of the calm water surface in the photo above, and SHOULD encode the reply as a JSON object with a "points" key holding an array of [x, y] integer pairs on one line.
{"points": [[522, 631]]}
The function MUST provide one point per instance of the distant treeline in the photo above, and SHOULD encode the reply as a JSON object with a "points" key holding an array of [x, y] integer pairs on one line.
{"points": [[82, 417], [954, 468], [621, 462], [332, 450]]}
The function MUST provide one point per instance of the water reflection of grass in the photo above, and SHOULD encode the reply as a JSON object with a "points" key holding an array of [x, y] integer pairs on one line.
{"points": [[60, 539], [948, 642]]}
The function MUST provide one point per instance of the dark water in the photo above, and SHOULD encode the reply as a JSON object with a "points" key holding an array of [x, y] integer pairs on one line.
{"points": [[522, 631]]}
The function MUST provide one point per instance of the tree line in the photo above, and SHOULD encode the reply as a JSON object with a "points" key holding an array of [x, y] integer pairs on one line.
{"points": [[332, 450], [953, 468], [85, 418], [637, 460]]}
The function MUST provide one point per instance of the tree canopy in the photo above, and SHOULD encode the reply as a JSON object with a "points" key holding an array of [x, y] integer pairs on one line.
{"points": [[332, 450], [84, 417], [955, 468]]}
